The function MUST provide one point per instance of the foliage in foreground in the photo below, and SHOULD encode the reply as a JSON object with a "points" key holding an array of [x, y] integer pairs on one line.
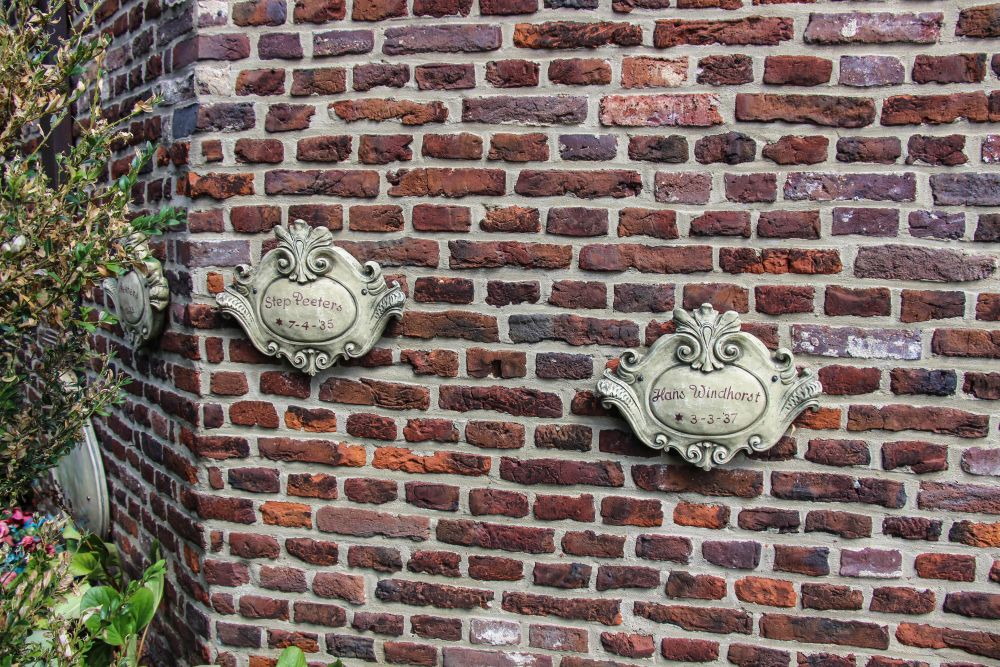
{"points": [[294, 657], [69, 603], [58, 238]]}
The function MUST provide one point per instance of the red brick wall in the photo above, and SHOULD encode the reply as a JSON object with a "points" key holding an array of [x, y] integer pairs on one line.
{"points": [[548, 182], [150, 471]]}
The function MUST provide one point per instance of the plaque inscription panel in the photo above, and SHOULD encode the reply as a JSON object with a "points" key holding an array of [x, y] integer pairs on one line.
{"points": [[140, 296], [709, 390], [313, 312], [310, 301], [719, 403]]}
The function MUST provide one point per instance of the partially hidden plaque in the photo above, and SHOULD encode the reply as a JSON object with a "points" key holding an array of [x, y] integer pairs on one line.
{"points": [[709, 390], [140, 296], [84, 488], [310, 301]]}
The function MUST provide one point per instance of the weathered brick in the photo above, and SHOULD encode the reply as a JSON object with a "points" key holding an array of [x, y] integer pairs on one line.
{"points": [[703, 619], [444, 38], [959, 497], [445, 182], [912, 528], [825, 631], [407, 112], [873, 28], [869, 71], [755, 30], [978, 22], [725, 70], [615, 183], [902, 600], [792, 149], [797, 70], [512, 73], [912, 263], [829, 487], [603, 610], [855, 342], [496, 536], [579, 72], [824, 597], [691, 110], [518, 148], [837, 187], [646, 259], [423, 594], [823, 110], [934, 109], [905, 417], [335, 182], [557, 110], [574, 35]]}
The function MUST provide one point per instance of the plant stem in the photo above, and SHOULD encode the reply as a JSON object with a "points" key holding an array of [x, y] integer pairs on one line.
{"points": [[142, 642]]}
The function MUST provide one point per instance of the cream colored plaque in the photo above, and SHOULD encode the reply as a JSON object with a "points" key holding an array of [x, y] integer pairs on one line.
{"points": [[709, 390], [310, 301], [140, 297]]}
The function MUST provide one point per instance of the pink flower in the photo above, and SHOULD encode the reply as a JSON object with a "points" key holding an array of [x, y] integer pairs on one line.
{"points": [[18, 514], [6, 578], [4, 529]]}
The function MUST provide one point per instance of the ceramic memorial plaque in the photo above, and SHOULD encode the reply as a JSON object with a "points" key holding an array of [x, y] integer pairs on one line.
{"points": [[84, 488], [140, 297], [708, 390], [310, 301]]}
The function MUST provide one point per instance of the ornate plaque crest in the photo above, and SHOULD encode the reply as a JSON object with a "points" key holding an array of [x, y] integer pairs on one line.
{"points": [[311, 302], [140, 297], [709, 390]]}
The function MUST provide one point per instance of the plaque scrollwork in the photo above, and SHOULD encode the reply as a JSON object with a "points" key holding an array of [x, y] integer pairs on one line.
{"points": [[310, 301], [709, 390], [141, 295]]}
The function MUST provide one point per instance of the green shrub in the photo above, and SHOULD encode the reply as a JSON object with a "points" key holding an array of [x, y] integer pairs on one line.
{"points": [[71, 604], [57, 238]]}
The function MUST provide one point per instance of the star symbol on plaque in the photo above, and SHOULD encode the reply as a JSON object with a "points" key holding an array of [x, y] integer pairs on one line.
{"points": [[678, 417], [278, 322]]}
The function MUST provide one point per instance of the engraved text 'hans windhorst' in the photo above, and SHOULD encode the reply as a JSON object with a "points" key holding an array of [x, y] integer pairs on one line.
{"points": [[699, 391]]}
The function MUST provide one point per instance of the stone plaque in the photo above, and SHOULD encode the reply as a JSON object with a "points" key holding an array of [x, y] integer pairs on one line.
{"points": [[84, 488], [140, 297], [310, 301], [708, 390]]}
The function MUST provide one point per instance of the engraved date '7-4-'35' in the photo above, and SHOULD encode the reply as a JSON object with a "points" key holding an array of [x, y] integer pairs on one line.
{"points": [[316, 311]]}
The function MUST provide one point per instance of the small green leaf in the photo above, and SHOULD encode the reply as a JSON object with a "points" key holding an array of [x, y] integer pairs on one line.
{"points": [[102, 601], [103, 597], [122, 626], [292, 657], [154, 577], [142, 606], [82, 564]]}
